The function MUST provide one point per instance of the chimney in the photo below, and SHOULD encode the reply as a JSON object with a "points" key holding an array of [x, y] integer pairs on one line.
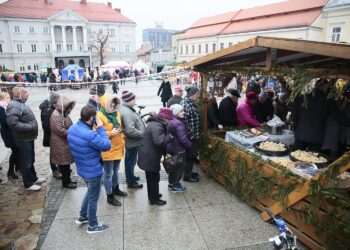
{"points": [[109, 4], [82, 1], [118, 10]]}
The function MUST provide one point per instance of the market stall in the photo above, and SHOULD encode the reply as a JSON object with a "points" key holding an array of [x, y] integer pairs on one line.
{"points": [[307, 190]]}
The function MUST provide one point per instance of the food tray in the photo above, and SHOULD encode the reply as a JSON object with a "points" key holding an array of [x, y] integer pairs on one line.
{"points": [[319, 165], [270, 153]]}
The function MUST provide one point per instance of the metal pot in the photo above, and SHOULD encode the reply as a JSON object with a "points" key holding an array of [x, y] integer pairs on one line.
{"points": [[275, 130], [289, 126]]}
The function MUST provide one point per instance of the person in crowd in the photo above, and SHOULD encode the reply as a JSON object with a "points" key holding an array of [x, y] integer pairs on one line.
{"points": [[253, 86], [213, 114], [3, 77], [263, 109], [24, 127], [47, 107], [72, 77], [280, 106], [52, 77], [100, 89], [87, 139], [177, 146], [165, 91], [310, 121], [111, 120], [60, 153], [177, 98], [93, 100], [152, 147], [7, 136], [115, 87], [227, 108], [233, 83], [134, 129], [245, 113], [193, 130]]}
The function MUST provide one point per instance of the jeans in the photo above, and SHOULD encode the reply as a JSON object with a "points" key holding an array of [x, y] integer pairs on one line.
{"points": [[26, 159], [130, 162], [153, 179], [110, 180], [89, 206]]}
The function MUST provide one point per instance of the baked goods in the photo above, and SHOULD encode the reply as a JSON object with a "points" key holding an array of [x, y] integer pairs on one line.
{"points": [[282, 161], [272, 146], [308, 157], [255, 131]]}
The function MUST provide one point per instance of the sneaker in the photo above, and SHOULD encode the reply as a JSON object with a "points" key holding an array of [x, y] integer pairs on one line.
{"points": [[81, 221], [97, 229], [40, 180], [33, 188], [135, 185], [178, 189]]}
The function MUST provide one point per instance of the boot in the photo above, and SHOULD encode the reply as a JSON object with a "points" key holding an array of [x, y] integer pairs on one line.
{"points": [[57, 174], [117, 191], [112, 200]]}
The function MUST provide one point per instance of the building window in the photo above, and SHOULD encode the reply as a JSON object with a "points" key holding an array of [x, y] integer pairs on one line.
{"points": [[336, 34], [181, 50], [127, 48], [100, 31], [29, 67], [19, 48], [199, 49], [80, 47], [222, 45], [33, 46], [206, 48], [46, 29], [113, 50], [36, 67], [31, 29], [192, 49], [186, 50], [47, 48], [22, 68], [111, 32], [58, 47], [69, 47], [1, 48], [2, 67], [214, 47], [229, 44], [17, 30]]}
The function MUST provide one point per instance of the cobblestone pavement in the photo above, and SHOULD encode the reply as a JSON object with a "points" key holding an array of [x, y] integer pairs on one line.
{"points": [[25, 217]]}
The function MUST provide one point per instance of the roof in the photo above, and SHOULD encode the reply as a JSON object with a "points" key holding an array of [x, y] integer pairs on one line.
{"points": [[39, 9], [288, 52], [287, 14]]}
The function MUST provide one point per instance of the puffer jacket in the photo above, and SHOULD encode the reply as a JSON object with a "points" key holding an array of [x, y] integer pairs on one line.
{"points": [[153, 144], [245, 115], [45, 114], [59, 124], [6, 133], [86, 146], [180, 142], [117, 148], [133, 125], [21, 120]]}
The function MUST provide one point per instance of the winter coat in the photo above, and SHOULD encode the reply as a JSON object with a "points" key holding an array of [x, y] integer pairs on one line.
{"points": [[133, 125], [6, 133], [117, 142], [191, 118], [153, 145], [93, 104], [310, 122], [174, 100], [59, 124], [165, 91], [228, 113], [213, 115], [86, 146], [180, 141], [245, 115], [280, 109], [263, 111], [45, 114], [21, 120]]}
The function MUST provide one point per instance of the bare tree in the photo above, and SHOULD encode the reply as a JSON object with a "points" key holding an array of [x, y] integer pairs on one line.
{"points": [[99, 43]]}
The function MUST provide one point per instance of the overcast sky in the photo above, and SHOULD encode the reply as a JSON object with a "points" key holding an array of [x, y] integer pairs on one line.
{"points": [[176, 14]]}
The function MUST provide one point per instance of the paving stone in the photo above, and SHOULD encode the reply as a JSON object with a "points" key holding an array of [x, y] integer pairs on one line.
{"points": [[28, 242], [35, 218]]}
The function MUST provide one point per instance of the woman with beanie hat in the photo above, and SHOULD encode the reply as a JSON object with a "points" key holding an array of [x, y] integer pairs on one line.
{"points": [[177, 146], [245, 112], [153, 146]]}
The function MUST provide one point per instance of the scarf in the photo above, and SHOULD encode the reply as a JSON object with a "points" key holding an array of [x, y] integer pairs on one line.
{"points": [[112, 117]]}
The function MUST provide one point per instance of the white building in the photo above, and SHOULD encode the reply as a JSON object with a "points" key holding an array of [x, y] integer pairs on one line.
{"points": [[35, 34], [297, 19]]}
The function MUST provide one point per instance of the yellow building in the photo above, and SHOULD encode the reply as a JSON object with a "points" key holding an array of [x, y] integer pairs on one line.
{"points": [[336, 21]]}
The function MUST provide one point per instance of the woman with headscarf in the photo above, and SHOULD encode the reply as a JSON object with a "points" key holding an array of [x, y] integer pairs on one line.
{"points": [[153, 146], [60, 154], [111, 120]]}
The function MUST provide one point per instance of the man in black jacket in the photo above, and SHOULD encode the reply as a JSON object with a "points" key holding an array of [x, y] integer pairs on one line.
{"points": [[227, 108], [177, 98], [24, 127], [47, 107]]}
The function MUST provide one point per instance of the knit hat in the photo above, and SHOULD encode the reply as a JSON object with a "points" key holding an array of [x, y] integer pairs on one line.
{"points": [[234, 92], [165, 113], [191, 90], [54, 97], [176, 108], [178, 89], [128, 96]]}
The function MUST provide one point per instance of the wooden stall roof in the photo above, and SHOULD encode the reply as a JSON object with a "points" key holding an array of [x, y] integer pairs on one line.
{"points": [[266, 51]]}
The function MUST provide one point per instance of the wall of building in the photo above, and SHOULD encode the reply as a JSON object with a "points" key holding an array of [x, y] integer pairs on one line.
{"points": [[337, 17]]}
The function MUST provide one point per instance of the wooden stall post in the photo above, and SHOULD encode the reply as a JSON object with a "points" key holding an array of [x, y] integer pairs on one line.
{"points": [[204, 106]]}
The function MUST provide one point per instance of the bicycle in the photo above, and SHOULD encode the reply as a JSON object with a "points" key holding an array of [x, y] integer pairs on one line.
{"points": [[286, 238], [144, 117]]}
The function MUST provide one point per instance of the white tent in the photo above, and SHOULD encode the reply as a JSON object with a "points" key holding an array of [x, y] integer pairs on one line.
{"points": [[111, 66], [139, 65]]}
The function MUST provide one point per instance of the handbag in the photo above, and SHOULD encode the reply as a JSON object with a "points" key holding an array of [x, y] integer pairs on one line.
{"points": [[174, 162]]}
